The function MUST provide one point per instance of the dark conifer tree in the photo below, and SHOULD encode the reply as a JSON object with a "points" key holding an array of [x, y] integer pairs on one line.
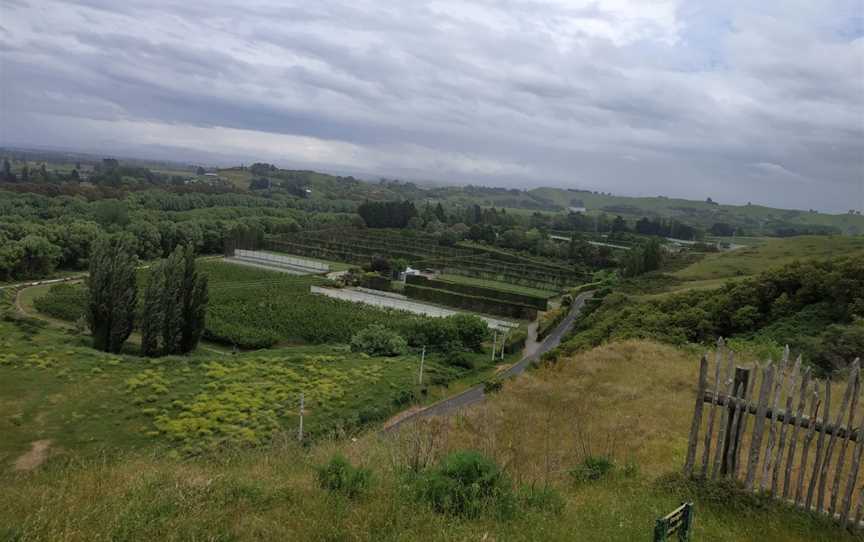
{"points": [[112, 293]]}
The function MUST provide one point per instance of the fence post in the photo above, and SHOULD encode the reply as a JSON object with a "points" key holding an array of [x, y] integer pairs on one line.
{"points": [[697, 417], [733, 437]]}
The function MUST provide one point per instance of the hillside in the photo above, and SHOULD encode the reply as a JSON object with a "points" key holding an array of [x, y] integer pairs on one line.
{"points": [[321, 191], [753, 219], [273, 494], [815, 306], [772, 253]]}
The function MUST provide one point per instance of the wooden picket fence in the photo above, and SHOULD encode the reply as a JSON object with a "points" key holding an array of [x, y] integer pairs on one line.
{"points": [[765, 438]]}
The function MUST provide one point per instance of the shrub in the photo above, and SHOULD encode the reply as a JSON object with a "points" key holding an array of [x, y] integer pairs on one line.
{"points": [[380, 264], [467, 484], [340, 476], [404, 397], [432, 332], [455, 358], [377, 340], [470, 329], [545, 499], [593, 467], [457, 331], [492, 385]]}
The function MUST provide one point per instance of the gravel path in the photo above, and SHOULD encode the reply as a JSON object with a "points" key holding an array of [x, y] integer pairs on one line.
{"points": [[475, 394]]}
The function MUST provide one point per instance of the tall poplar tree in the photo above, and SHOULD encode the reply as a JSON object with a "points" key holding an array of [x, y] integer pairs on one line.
{"points": [[175, 305], [112, 293]]}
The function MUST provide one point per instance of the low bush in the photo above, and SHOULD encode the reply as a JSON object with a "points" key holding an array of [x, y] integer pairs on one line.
{"points": [[404, 397], [515, 341], [592, 468], [340, 476], [471, 330], [456, 358], [377, 340], [493, 385], [457, 331], [544, 499], [467, 484]]}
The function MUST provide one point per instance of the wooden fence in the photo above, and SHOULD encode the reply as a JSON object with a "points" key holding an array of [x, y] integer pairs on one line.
{"points": [[781, 435]]}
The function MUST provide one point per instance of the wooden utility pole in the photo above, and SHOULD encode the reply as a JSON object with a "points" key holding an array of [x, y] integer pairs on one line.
{"points": [[422, 359], [300, 429], [494, 344]]}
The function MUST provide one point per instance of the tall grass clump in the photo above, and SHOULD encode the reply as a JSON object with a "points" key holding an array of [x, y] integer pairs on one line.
{"points": [[340, 476], [467, 484]]}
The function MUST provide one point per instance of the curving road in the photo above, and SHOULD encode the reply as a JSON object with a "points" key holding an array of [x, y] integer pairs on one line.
{"points": [[475, 394]]}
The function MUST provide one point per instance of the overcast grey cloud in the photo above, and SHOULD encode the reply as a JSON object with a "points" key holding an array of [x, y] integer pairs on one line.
{"points": [[740, 101]]}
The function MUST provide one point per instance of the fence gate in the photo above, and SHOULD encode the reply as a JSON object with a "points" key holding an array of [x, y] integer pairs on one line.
{"points": [[774, 428]]}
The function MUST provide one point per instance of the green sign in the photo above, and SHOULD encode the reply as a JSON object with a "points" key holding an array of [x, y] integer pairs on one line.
{"points": [[679, 522]]}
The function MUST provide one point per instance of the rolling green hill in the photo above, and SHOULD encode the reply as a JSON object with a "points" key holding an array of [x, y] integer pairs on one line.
{"points": [[754, 219], [745, 219]]}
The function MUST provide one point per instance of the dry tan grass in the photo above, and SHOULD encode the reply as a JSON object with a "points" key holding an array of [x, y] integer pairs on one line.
{"points": [[632, 398]]}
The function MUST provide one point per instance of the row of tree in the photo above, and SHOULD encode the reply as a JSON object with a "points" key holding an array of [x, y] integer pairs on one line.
{"points": [[172, 317], [387, 214], [40, 234]]}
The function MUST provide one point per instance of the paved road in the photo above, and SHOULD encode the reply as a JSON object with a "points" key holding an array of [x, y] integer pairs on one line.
{"points": [[475, 394]]}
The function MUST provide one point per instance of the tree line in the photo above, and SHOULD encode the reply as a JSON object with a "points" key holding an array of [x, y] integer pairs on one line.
{"points": [[40, 234]]}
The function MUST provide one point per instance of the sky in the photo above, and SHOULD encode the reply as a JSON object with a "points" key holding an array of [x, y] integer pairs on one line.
{"points": [[734, 100]]}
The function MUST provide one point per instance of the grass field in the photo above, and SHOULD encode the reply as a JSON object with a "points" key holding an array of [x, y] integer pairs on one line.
{"points": [[539, 427], [715, 269], [237, 177], [54, 386], [739, 240]]}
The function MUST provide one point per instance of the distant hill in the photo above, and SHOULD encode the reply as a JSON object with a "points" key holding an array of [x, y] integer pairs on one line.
{"points": [[752, 219], [345, 192], [742, 219]]}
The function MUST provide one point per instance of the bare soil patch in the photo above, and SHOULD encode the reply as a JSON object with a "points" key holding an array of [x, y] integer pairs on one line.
{"points": [[36, 456]]}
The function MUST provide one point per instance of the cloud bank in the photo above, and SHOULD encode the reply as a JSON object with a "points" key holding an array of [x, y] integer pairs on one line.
{"points": [[740, 101]]}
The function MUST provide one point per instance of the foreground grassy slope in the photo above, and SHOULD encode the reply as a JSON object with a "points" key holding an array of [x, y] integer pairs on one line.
{"points": [[539, 428]]}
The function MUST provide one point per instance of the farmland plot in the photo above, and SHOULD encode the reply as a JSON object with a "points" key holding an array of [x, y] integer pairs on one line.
{"points": [[395, 301]]}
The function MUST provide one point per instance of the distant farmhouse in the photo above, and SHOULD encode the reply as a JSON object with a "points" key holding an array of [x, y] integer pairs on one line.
{"points": [[577, 206]]}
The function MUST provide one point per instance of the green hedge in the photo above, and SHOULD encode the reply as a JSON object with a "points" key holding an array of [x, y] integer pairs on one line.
{"points": [[375, 281], [537, 302], [476, 304]]}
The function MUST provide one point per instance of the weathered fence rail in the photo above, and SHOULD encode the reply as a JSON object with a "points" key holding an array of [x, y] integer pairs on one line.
{"points": [[795, 445]]}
